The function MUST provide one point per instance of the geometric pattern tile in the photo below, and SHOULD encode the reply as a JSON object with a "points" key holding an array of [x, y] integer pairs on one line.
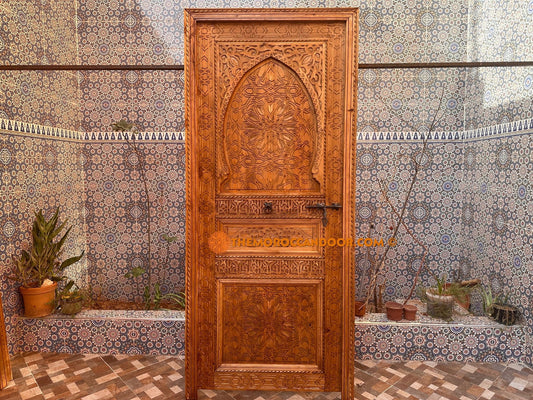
{"points": [[467, 338], [55, 376], [105, 332], [498, 35], [37, 171], [116, 217], [489, 102]]}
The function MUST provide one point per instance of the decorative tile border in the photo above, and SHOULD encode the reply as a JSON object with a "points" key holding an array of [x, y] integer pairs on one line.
{"points": [[373, 137], [178, 137], [522, 127], [510, 128], [11, 126]]}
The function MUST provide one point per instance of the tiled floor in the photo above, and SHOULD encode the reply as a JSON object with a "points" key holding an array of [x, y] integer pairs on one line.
{"points": [[92, 377]]}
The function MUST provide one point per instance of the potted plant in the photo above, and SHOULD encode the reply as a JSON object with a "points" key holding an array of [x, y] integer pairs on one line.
{"points": [[71, 299], [498, 308], [39, 269], [441, 297]]}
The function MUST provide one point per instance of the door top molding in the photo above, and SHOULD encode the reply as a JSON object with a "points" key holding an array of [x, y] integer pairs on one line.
{"points": [[271, 14]]}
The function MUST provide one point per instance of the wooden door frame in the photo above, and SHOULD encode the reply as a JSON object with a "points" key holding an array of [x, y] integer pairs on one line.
{"points": [[192, 16]]}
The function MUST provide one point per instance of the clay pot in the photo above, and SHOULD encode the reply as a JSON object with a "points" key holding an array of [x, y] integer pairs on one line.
{"points": [[409, 312], [394, 311], [38, 302], [360, 309]]}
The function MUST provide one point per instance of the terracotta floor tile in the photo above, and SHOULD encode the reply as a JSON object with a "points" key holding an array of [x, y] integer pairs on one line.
{"points": [[77, 376]]}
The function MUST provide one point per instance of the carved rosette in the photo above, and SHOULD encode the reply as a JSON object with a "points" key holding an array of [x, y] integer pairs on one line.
{"points": [[270, 132], [270, 323]]}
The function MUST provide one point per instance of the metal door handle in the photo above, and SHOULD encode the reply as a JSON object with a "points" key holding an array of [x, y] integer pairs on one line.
{"points": [[324, 208]]}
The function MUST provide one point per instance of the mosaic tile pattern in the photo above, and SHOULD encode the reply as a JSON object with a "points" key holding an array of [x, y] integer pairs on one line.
{"points": [[497, 235], [140, 32], [153, 99], [466, 338], [30, 34], [433, 214], [48, 98], [37, 172], [59, 376], [412, 31], [144, 32], [405, 100], [498, 96], [116, 216], [403, 341], [495, 34], [108, 332]]}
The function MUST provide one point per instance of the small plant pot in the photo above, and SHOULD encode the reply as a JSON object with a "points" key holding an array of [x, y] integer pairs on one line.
{"points": [[409, 312], [360, 309], [394, 311], [71, 306], [38, 302], [504, 314], [439, 306]]}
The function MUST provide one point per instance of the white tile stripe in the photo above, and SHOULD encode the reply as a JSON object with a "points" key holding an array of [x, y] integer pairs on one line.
{"points": [[509, 128]]}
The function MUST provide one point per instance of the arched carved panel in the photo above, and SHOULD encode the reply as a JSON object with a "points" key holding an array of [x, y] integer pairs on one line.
{"points": [[270, 132]]}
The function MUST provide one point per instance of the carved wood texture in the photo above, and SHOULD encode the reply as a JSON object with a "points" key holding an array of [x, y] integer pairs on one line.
{"points": [[268, 121], [270, 132], [271, 322]]}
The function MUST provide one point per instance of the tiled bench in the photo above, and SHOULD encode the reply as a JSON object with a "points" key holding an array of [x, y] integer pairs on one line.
{"points": [[467, 338], [105, 332]]}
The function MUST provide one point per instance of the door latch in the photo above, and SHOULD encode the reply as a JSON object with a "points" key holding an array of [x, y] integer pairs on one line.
{"points": [[324, 208]]}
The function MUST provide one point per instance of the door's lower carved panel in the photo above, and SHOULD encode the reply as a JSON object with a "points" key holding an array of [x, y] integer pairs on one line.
{"points": [[265, 322], [271, 237], [270, 381]]}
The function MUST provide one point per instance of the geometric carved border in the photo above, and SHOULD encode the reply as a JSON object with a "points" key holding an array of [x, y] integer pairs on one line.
{"points": [[233, 267]]}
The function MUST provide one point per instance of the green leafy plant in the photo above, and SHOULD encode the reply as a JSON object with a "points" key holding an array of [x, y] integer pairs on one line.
{"points": [[489, 299], [72, 298], [43, 261], [454, 289], [151, 294]]}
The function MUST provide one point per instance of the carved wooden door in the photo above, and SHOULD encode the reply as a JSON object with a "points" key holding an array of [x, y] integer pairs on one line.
{"points": [[270, 123]]}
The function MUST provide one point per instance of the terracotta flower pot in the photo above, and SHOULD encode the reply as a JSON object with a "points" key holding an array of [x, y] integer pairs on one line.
{"points": [[409, 312], [394, 310], [38, 302], [360, 309]]}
